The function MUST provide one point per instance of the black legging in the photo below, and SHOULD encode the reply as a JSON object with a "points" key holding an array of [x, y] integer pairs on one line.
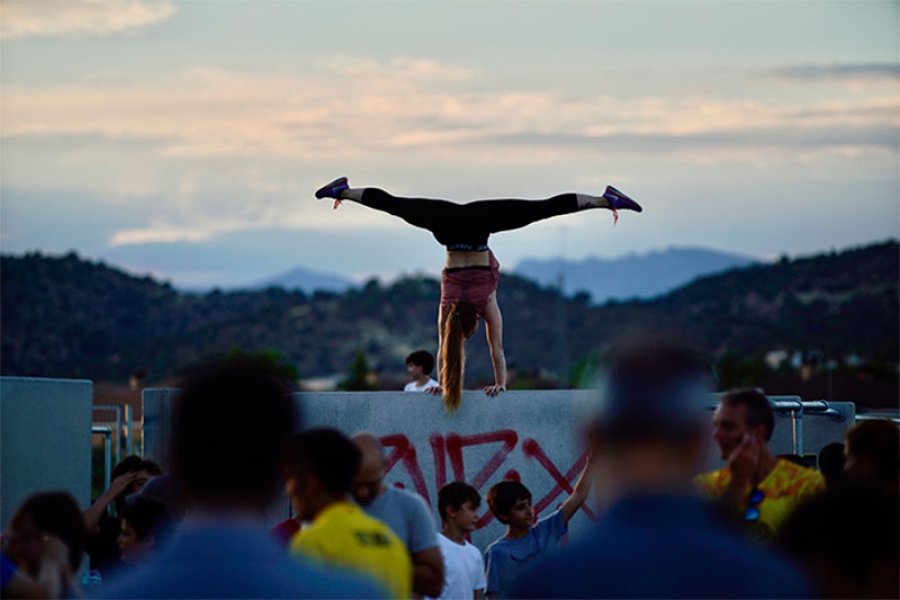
{"points": [[467, 226]]}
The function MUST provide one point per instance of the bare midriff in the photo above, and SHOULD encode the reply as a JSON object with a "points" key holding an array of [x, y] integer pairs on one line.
{"points": [[458, 259]]}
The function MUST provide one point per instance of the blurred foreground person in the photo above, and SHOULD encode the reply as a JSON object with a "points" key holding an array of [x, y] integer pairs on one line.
{"points": [[848, 539], [655, 538], [320, 464], [873, 455], [229, 426], [831, 465], [755, 488], [43, 548]]}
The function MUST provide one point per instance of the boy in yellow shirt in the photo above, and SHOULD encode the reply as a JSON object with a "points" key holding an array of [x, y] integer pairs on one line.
{"points": [[320, 464]]}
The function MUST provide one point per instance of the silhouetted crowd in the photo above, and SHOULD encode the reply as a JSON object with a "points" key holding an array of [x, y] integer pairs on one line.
{"points": [[763, 526]]}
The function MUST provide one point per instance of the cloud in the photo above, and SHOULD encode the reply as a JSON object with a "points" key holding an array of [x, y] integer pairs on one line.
{"points": [[25, 18], [846, 72], [207, 112], [207, 151]]}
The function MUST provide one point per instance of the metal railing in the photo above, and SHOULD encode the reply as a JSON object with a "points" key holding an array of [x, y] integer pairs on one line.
{"points": [[106, 432]]}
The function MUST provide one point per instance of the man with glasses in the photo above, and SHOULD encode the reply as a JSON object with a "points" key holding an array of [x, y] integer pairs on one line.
{"points": [[404, 512], [754, 486]]}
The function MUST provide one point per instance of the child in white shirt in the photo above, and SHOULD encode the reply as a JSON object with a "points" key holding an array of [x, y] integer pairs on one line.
{"points": [[458, 504]]}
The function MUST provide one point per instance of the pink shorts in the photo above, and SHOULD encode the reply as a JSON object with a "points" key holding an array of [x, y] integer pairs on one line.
{"points": [[470, 284]]}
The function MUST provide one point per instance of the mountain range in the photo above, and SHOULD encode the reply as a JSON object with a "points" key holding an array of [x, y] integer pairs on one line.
{"points": [[64, 316], [304, 280], [632, 276]]}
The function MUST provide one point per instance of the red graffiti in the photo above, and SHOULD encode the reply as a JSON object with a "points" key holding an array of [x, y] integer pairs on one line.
{"points": [[451, 446], [406, 452], [533, 450], [456, 443], [438, 452]]}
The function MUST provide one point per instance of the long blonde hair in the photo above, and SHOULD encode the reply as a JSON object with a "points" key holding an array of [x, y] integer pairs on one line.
{"points": [[460, 321]]}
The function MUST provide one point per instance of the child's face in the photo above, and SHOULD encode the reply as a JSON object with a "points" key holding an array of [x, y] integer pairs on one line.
{"points": [[521, 515], [466, 518], [414, 371], [131, 549]]}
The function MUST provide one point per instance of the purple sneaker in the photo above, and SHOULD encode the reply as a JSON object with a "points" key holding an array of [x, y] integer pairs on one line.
{"points": [[333, 189], [618, 200]]}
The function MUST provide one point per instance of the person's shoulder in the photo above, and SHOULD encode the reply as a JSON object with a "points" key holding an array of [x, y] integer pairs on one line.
{"points": [[711, 482], [797, 471], [497, 545], [801, 480], [406, 497], [472, 549], [410, 387]]}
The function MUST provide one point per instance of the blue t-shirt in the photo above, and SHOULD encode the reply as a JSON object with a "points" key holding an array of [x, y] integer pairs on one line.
{"points": [[505, 559], [7, 570]]}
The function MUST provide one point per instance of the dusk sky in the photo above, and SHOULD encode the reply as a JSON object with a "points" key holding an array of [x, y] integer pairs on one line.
{"points": [[186, 139]]}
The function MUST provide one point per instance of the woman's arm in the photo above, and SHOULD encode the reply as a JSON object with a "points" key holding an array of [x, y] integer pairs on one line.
{"points": [[493, 326]]}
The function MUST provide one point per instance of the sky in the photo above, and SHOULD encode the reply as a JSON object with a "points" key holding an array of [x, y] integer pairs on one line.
{"points": [[186, 139]]}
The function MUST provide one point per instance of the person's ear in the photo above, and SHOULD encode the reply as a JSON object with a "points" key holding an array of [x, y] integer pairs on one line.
{"points": [[150, 540], [451, 512]]}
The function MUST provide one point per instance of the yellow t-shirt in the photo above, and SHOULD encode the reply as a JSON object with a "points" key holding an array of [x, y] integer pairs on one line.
{"points": [[785, 487], [343, 535]]}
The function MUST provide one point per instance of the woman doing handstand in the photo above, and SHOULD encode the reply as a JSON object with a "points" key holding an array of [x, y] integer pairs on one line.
{"points": [[470, 275]]}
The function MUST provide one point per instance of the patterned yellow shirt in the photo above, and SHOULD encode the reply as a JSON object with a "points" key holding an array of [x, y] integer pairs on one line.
{"points": [[344, 536], [785, 487]]}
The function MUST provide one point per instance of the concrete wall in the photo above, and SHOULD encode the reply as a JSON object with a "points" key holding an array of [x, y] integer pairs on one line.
{"points": [[45, 439], [527, 434]]}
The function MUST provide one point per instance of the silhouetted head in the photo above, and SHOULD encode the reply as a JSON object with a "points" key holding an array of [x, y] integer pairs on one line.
{"points": [[831, 464], [460, 323], [229, 426], [653, 389], [873, 454], [320, 465], [847, 540], [46, 513]]}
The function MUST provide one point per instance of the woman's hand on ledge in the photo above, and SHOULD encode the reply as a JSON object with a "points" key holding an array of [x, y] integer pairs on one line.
{"points": [[493, 390]]}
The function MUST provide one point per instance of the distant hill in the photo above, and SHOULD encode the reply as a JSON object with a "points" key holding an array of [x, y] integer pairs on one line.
{"points": [[64, 316], [633, 276], [304, 280]]}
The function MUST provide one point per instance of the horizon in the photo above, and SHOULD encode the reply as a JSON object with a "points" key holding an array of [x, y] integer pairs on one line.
{"points": [[390, 280], [185, 139]]}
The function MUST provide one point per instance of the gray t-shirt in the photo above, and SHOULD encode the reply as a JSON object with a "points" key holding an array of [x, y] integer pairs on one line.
{"points": [[408, 516]]}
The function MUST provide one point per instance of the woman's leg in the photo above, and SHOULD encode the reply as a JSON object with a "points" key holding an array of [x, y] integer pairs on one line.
{"points": [[448, 220], [427, 213], [503, 215]]}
